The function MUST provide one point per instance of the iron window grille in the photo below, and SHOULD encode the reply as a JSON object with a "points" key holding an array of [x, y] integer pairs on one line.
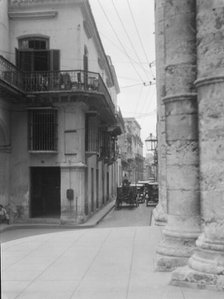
{"points": [[43, 130]]}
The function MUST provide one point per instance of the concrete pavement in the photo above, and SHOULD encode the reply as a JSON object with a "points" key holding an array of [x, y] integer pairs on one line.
{"points": [[55, 223], [107, 263]]}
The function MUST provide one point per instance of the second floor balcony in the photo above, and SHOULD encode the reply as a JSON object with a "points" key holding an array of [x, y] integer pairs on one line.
{"points": [[43, 84]]}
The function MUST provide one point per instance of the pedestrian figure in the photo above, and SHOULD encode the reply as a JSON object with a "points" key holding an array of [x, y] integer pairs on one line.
{"points": [[4, 217], [125, 182]]}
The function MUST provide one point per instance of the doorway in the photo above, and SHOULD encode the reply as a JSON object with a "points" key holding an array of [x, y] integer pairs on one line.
{"points": [[45, 192]]}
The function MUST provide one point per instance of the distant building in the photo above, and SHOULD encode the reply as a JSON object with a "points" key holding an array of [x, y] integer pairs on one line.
{"points": [[131, 150], [58, 112]]}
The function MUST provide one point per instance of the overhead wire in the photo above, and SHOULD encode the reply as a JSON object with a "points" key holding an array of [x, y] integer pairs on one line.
{"points": [[129, 39], [128, 78], [121, 50], [139, 96], [145, 98], [149, 103], [138, 34], [133, 85], [115, 33]]}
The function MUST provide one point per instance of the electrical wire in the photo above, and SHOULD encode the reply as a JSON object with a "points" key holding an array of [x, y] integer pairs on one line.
{"points": [[129, 39], [147, 102], [121, 50], [142, 102], [127, 78], [109, 22], [137, 31], [133, 85], [148, 107], [139, 97]]}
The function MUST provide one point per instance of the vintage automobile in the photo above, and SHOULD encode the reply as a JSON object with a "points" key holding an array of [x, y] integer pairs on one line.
{"points": [[127, 195], [151, 194], [140, 192]]}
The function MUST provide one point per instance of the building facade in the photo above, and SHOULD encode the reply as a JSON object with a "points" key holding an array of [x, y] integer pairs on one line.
{"points": [[131, 151], [190, 85], [58, 112]]}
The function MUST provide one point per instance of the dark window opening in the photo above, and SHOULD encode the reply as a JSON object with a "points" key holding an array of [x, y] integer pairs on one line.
{"points": [[34, 55], [91, 138], [35, 43], [43, 130]]}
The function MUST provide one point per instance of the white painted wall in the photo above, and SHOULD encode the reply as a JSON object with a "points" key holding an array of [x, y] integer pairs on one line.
{"points": [[4, 41]]}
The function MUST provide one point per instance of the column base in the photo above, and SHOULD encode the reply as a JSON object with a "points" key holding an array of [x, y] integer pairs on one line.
{"points": [[174, 252], [206, 266], [187, 277], [159, 217]]}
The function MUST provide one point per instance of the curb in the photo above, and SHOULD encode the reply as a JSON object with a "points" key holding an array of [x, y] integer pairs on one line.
{"points": [[90, 223]]}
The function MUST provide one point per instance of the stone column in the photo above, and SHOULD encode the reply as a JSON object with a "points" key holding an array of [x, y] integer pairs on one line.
{"points": [[206, 266], [160, 212], [183, 222]]}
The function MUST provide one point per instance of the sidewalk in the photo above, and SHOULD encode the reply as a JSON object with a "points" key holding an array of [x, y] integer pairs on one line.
{"points": [[108, 263], [91, 222]]}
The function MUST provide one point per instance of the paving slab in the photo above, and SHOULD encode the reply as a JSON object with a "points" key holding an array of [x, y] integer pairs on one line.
{"points": [[92, 263]]}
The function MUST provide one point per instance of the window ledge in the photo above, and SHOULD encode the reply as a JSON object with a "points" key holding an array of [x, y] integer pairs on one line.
{"points": [[33, 15], [43, 152]]}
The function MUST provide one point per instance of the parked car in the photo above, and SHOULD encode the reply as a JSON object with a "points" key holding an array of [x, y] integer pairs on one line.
{"points": [[151, 194], [127, 195], [140, 192]]}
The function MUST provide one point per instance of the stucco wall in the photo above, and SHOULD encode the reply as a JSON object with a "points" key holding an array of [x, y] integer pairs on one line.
{"points": [[19, 169], [63, 31], [4, 153], [4, 49]]}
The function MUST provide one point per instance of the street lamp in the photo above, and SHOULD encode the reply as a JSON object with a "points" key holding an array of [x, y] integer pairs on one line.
{"points": [[151, 146], [151, 143]]}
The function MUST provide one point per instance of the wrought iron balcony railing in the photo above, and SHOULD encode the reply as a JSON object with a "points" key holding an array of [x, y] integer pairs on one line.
{"points": [[68, 80], [53, 82], [10, 75]]}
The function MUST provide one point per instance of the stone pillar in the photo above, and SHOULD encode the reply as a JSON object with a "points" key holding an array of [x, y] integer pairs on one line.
{"points": [[183, 221], [73, 167], [206, 266], [160, 212]]}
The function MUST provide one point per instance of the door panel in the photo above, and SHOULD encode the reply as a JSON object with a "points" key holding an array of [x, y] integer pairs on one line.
{"points": [[45, 192]]}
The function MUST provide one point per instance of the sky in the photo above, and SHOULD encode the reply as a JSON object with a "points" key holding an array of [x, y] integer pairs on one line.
{"points": [[126, 28]]}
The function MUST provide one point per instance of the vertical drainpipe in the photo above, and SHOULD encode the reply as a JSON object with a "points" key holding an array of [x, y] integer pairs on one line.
{"points": [[182, 161], [160, 212], [206, 267]]}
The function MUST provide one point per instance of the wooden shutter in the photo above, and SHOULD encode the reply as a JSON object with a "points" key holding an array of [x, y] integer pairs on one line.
{"points": [[54, 60], [24, 60]]}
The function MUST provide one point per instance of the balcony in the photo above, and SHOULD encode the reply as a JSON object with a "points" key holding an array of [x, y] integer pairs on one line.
{"points": [[59, 84], [11, 78]]}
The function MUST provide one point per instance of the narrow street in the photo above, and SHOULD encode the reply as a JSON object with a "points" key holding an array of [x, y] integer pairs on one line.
{"points": [[128, 216], [124, 217]]}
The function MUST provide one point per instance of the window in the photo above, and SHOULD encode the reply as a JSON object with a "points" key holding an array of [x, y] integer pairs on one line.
{"points": [[34, 43], [34, 55], [91, 139], [43, 130]]}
